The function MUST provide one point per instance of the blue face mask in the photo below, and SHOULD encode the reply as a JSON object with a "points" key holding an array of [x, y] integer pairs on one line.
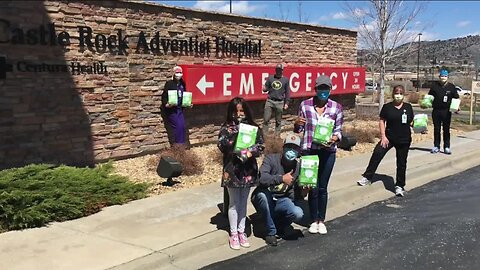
{"points": [[290, 154], [323, 94]]}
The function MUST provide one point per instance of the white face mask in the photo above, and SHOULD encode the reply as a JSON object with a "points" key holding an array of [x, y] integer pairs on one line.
{"points": [[398, 97], [178, 76]]}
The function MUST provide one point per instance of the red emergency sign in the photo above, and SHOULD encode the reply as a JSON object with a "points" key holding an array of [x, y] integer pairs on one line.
{"points": [[219, 84]]}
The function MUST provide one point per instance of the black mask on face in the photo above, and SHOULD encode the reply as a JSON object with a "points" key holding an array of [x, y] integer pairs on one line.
{"points": [[289, 159]]}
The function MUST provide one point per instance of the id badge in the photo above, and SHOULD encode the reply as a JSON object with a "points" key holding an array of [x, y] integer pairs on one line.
{"points": [[445, 98], [404, 118]]}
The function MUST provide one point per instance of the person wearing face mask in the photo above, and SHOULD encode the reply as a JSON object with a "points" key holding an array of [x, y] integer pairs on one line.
{"points": [[443, 92], [309, 114], [396, 119], [174, 113], [240, 168], [274, 197], [277, 87]]}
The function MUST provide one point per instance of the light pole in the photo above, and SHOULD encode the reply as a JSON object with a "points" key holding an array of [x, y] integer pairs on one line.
{"points": [[230, 6], [418, 61]]}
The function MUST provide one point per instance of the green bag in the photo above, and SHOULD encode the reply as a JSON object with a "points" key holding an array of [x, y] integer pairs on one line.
{"points": [[427, 101], [420, 123], [308, 170], [187, 99], [420, 120], [455, 105], [173, 97], [247, 135], [323, 130]]}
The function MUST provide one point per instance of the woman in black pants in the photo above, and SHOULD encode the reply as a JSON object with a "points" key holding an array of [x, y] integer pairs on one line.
{"points": [[396, 119]]}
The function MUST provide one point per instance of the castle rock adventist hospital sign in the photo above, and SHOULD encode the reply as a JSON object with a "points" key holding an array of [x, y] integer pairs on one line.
{"points": [[81, 81]]}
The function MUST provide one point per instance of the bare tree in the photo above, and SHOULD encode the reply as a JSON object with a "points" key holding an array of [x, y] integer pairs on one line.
{"points": [[383, 25]]}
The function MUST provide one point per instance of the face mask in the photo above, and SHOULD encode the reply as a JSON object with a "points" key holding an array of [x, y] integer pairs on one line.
{"points": [[239, 119], [178, 76], [398, 97], [289, 159], [323, 94]]}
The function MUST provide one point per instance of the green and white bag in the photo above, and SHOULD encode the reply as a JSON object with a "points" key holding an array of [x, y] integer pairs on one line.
{"points": [[247, 135], [173, 97], [420, 123], [427, 101], [323, 130], [187, 99], [308, 170], [455, 105]]}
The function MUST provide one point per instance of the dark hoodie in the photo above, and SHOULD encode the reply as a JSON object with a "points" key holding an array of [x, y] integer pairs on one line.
{"points": [[271, 173]]}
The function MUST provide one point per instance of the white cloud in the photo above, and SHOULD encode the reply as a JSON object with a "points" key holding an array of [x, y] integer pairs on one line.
{"points": [[339, 16], [238, 7], [463, 23]]}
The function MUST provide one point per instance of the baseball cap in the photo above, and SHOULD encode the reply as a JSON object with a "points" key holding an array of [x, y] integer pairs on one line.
{"points": [[443, 72], [279, 66], [177, 69], [293, 139], [322, 79]]}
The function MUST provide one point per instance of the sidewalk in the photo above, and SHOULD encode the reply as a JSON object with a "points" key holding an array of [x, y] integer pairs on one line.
{"points": [[184, 230]]}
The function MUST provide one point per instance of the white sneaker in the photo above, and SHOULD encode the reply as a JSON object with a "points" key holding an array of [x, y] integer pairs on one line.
{"points": [[399, 191], [322, 229], [363, 182], [313, 228]]}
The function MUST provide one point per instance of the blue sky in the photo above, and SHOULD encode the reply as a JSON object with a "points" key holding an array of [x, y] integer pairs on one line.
{"points": [[438, 20]]}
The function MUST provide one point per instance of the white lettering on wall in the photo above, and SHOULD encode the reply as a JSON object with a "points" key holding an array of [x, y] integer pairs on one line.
{"points": [[308, 82], [294, 86], [226, 83], [344, 76], [333, 75], [246, 86]]}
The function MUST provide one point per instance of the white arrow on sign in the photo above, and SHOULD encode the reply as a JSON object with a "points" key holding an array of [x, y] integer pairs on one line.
{"points": [[202, 85]]}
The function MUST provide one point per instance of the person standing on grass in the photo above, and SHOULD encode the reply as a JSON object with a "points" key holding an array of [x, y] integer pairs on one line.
{"points": [[442, 93], [396, 120], [277, 87], [240, 169], [311, 111]]}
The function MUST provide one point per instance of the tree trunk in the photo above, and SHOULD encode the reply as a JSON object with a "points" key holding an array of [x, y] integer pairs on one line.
{"points": [[382, 85]]}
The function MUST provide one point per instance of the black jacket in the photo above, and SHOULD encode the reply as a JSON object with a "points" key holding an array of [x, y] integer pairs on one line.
{"points": [[439, 92], [170, 85]]}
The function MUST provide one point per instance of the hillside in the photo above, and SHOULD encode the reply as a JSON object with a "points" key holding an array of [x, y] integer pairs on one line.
{"points": [[452, 53]]}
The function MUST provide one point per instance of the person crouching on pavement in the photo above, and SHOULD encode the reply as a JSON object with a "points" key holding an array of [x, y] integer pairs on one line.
{"points": [[396, 119], [274, 197], [240, 169], [310, 113]]}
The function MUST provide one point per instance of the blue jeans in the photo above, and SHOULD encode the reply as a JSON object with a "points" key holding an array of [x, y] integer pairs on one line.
{"points": [[318, 196], [276, 213]]}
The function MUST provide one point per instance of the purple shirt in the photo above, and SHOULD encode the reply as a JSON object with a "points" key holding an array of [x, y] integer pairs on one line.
{"points": [[333, 110]]}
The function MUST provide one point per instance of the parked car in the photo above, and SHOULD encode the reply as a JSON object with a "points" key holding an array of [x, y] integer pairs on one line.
{"points": [[463, 92], [370, 87]]}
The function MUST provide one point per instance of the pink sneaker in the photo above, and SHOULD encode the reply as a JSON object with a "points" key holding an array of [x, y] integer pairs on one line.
{"points": [[233, 240], [242, 237]]}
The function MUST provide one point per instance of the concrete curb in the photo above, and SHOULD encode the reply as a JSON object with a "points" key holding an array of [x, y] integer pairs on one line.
{"points": [[341, 202]]}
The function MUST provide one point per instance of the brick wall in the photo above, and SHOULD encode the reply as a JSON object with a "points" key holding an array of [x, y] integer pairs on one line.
{"points": [[60, 117]]}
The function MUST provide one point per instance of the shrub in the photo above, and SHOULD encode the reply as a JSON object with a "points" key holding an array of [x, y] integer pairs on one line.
{"points": [[35, 195], [273, 145], [413, 97]]}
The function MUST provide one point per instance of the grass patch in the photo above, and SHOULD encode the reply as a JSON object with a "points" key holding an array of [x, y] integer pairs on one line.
{"points": [[34, 195]]}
